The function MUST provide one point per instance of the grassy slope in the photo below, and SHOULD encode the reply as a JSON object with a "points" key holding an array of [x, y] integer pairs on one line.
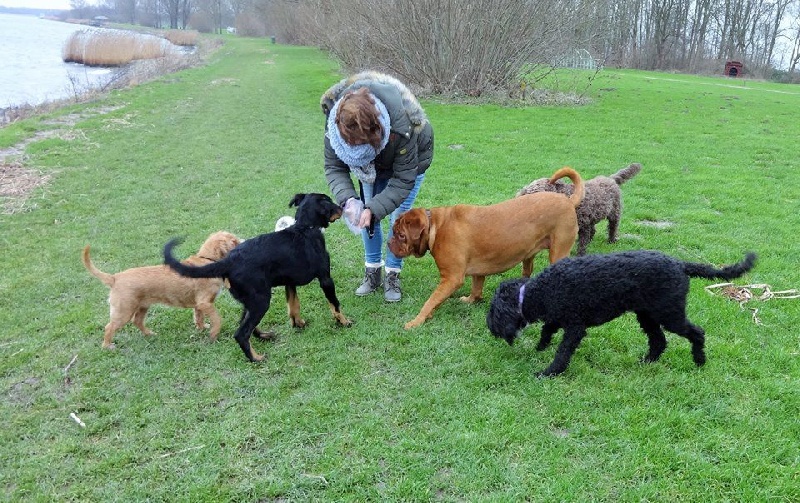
{"points": [[374, 412]]}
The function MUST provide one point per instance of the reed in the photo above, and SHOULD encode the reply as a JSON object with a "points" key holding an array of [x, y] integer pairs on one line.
{"points": [[111, 48], [182, 37]]}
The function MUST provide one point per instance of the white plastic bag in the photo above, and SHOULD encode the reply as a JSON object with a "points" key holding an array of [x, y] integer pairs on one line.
{"points": [[353, 209]]}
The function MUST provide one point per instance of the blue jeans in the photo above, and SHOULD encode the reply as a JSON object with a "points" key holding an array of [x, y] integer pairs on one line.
{"points": [[374, 245]]}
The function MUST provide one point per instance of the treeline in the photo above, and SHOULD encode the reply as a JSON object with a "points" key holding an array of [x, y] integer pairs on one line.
{"points": [[477, 45]]}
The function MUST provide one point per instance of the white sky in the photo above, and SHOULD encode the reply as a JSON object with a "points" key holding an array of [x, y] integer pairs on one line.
{"points": [[37, 4]]}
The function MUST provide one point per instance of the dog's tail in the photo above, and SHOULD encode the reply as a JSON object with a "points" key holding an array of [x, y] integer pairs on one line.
{"points": [[106, 278], [218, 269], [727, 272], [626, 174], [578, 191]]}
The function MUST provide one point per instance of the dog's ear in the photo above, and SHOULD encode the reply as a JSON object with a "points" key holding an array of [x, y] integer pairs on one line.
{"points": [[416, 226], [296, 200], [503, 318], [231, 243]]}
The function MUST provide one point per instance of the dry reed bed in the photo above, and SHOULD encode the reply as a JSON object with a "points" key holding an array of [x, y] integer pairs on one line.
{"points": [[182, 37], [112, 48]]}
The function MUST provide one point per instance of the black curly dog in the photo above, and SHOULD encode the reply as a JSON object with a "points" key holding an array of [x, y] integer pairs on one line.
{"points": [[291, 257], [580, 292]]}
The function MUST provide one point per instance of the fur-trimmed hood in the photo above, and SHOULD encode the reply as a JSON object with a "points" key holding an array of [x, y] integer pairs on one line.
{"points": [[394, 94]]}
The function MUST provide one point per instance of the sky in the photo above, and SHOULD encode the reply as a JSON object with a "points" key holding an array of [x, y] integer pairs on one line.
{"points": [[37, 4]]}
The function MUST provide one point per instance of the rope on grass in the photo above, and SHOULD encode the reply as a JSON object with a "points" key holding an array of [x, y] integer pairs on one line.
{"points": [[745, 293]]}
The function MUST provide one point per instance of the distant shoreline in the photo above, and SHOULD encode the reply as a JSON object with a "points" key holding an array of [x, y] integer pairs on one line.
{"points": [[136, 72]]}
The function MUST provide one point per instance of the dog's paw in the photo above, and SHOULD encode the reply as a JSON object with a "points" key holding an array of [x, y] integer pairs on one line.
{"points": [[413, 324], [699, 358], [344, 321], [298, 322], [469, 299], [269, 335], [110, 346], [548, 373]]}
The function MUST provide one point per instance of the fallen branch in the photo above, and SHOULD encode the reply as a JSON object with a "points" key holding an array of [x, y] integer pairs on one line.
{"points": [[67, 380]]}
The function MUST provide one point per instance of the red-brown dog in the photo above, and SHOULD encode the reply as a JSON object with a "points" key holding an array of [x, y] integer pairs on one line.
{"points": [[482, 240]]}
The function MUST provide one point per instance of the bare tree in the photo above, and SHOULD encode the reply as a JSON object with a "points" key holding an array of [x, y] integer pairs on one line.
{"points": [[125, 10], [178, 12], [773, 27], [794, 36]]}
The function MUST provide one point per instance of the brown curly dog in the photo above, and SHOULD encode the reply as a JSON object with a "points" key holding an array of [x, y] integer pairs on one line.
{"points": [[603, 200]]}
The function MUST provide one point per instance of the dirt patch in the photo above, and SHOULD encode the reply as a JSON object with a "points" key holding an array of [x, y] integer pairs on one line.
{"points": [[17, 181], [16, 185], [21, 393], [527, 98], [656, 224], [229, 81]]}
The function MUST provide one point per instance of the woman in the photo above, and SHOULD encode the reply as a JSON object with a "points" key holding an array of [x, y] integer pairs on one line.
{"points": [[377, 131]]}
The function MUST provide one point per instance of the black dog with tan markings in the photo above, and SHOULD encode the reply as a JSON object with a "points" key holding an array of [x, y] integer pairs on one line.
{"points": [[292, 257], [580, 292]]}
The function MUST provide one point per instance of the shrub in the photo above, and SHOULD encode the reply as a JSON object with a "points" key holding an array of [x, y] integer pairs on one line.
{"points": [[468, 46]]}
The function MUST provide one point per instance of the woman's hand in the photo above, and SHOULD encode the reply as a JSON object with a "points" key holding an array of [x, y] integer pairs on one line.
{"points": [[366, 218]]}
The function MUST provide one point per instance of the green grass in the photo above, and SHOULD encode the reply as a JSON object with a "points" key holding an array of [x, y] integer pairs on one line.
{"points": [[373, 412]]}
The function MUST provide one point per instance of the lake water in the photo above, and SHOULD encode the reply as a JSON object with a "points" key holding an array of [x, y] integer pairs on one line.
{"points": [[31, 69]]}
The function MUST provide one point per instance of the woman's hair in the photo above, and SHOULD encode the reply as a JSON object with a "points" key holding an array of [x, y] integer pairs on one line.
{"points": [[357, 119]]}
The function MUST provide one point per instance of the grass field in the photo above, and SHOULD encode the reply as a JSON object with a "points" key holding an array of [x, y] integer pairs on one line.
{"points": [[375, 413]]}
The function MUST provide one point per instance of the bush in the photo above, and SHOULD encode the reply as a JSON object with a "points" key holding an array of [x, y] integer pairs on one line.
{"points": [[469, 46], [784, 77]]}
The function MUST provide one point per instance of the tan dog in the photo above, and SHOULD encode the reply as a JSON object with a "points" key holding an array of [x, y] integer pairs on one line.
{"points": [[134, 290], [482, 240]]}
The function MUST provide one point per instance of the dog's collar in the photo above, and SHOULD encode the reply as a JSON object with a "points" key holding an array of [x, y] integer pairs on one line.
{"points": [[521, 296], [431, 230]]}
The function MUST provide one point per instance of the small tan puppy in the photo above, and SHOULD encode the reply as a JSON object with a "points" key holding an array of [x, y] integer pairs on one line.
{"points": [[468, 240], [134, 290]]}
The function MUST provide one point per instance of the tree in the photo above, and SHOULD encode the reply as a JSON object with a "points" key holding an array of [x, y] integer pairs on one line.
{"points": [[794, 37], [177, 11]]}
